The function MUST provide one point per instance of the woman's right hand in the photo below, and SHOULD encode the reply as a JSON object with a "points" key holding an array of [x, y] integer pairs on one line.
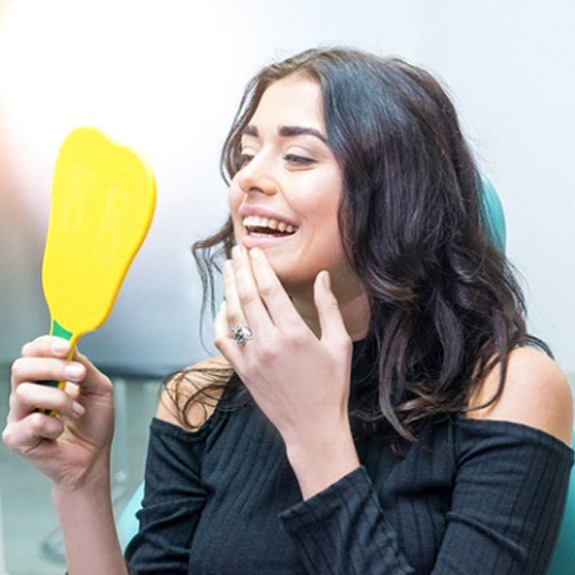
{"points": [[73, 447]]}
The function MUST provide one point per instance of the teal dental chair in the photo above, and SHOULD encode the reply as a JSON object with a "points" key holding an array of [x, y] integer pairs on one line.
{"points": [[563, 562], [127, 524]]}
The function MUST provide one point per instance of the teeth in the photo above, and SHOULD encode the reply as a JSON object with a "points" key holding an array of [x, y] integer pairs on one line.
{"points": [[272, 224]]}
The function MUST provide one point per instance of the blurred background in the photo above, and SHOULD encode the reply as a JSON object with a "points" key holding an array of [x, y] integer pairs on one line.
{"points": [[165, 78]]}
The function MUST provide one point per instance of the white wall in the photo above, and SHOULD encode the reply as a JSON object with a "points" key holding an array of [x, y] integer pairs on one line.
{"points": [[165, 77]]}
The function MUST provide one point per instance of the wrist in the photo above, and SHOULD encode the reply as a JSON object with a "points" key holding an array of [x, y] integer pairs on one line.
{"points": [[321, 460], [96, 478], [90, 497], [87, 501], [86, 516]]}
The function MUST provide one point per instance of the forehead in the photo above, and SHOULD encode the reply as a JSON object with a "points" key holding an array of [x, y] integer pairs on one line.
{"points": [[292, 101]]}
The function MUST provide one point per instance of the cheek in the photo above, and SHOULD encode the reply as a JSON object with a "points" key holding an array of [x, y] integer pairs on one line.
{"points": [[324, 211], [234, 196]]}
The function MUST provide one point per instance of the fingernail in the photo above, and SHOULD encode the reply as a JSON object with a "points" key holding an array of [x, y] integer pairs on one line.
{"points": [[255, 253], [238, 252], [326, 280], [78, 409], [59, 345], [73, 370]]}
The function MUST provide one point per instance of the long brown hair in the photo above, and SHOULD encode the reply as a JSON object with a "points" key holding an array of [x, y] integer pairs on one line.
{"points": [[445, 304]]}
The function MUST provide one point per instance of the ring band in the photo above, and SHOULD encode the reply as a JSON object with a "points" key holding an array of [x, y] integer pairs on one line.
{"points": [[242, 334]]}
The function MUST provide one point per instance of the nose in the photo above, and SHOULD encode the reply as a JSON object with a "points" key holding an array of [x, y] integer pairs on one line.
{"points": [[257, 176]]}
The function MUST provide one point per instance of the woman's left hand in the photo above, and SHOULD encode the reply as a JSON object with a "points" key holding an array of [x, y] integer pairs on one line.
{"points": [[300, 381]]}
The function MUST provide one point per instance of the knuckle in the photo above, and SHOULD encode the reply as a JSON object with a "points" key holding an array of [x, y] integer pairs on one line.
{"points": [[265, 351], [269, 351], [7, 437], [293, 339], [219, 341], [17, 369], [296, 335], [266, 288], [18, 394], [37, 423], [343, 341], [107, 383], [267, 355], [62, 400], [246, 299], [234, 319], [34, 346]]}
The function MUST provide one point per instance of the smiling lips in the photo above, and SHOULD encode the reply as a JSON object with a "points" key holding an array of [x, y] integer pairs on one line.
{"points": [[262, 226]]}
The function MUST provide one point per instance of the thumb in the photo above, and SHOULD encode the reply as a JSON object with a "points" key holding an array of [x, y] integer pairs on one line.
{"points": [[94, 381], [330, 318]]}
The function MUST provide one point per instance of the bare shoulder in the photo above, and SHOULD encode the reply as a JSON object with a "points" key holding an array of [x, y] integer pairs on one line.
{"points": [[536, 393], [191, 392]]}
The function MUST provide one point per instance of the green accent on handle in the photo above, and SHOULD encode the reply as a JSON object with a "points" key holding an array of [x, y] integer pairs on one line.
{"points": [[60, 331], [51, 383]]}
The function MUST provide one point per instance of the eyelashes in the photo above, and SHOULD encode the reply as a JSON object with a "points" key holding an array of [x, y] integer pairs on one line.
{"points": [[297, 160], [293, 160], [245, 159]]}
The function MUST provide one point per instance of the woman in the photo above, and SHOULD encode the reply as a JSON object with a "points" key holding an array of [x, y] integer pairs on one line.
{"points": [[377, 408]]}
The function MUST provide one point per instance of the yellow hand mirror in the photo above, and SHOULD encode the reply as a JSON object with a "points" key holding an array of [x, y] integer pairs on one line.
{"points": [[103, 201]]}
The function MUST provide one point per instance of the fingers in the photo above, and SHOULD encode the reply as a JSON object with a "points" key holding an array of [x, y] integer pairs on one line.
{"points": [[46, 359], [280, 307], [64, 446], [25, 435], [233, 308], [54, 358], [330, 318], [46, 368], [93, 381], [222, 333], [28, 397], [47, 346], [244, 298], [26, 427], [255, 297], [259, 294], [277, 302], [245, 306]]}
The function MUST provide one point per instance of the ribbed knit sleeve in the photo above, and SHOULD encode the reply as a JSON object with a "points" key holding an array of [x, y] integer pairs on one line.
{"points": [[173, 499], [508, 499], [509, 491], [342, 530]]}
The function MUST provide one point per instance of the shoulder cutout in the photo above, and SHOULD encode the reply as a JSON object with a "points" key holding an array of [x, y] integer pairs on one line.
{"points": [[536, 393], [190, 382]]}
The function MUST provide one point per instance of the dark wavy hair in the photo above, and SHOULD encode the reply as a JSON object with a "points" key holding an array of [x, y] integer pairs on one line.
{"points": [[445, 304]]}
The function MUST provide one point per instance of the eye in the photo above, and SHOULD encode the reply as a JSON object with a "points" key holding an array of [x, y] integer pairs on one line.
{"points": [[298, 161], [245, 159]]}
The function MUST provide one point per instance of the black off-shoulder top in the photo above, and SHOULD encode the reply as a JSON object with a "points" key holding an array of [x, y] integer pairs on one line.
{"points": [[473, 497]]}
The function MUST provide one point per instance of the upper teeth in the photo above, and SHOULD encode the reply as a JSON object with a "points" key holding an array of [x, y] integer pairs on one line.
{"points": [[261, 222]]}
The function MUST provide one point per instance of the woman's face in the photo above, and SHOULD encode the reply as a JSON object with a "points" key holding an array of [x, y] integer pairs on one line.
{"points": [[285, 198]]}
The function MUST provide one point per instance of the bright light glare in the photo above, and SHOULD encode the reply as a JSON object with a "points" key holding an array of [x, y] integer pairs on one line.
{"points": [[140, 71]]}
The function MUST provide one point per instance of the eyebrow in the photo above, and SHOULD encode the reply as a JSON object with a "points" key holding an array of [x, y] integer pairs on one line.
{"points": [[288, 132]]}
